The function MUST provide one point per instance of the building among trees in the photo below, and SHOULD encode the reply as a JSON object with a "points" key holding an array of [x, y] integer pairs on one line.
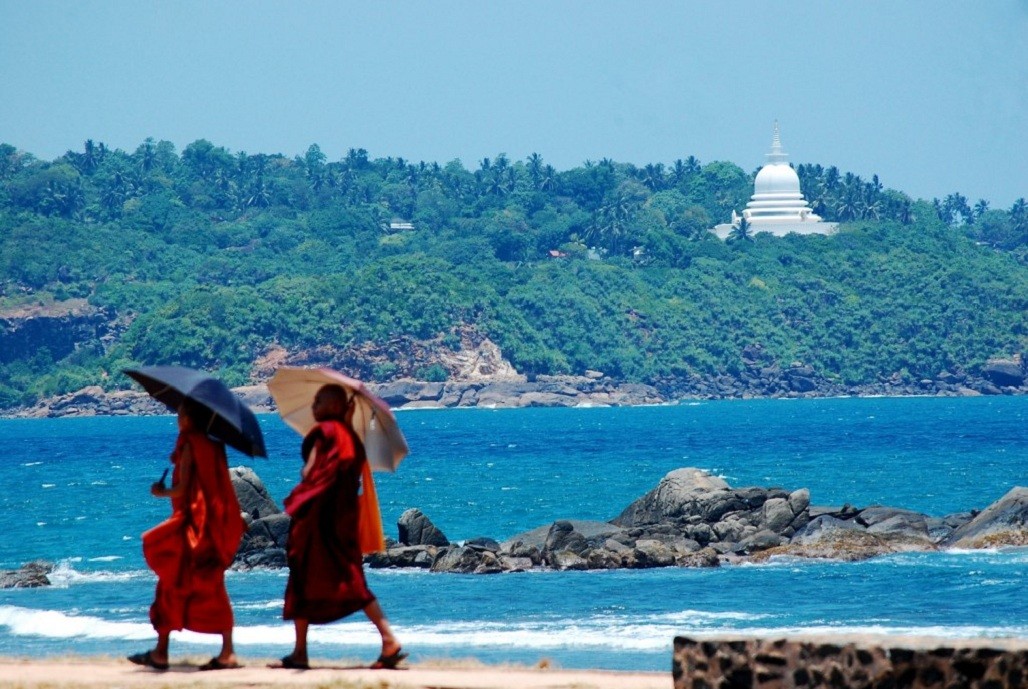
{"points": [[777, 205]]}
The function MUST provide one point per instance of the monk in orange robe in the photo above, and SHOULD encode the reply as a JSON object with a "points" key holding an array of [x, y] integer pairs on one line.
{"points": [[333, 524], [191, 550]]}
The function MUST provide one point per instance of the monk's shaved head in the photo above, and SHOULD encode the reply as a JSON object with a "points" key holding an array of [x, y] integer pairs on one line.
{"points": [[330, 402]]}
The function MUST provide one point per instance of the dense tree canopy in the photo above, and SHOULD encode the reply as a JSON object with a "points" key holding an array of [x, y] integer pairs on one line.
{"points": [[208, 258]]}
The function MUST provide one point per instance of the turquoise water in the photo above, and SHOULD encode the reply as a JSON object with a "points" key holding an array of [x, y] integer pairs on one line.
{"points": [[75, 491]]}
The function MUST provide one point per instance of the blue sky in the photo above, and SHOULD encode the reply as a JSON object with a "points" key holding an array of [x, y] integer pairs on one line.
{"points": [[930, 95]]}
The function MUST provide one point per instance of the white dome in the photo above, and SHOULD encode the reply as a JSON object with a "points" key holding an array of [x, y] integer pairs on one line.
{"points": [[776, 178]]}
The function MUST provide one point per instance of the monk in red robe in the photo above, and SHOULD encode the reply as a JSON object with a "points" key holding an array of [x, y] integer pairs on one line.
{"points": [[191, 550], [333, 524]]}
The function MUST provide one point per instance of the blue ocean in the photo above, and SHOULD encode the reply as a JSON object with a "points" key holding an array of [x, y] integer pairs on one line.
{"points": [[76, 492]]}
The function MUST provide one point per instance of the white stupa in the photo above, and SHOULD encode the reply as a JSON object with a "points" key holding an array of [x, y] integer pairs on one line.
{"points": [[777, 205]]}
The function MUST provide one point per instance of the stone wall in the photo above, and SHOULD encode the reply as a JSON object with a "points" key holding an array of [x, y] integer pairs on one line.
{"points": [[865, 662]]}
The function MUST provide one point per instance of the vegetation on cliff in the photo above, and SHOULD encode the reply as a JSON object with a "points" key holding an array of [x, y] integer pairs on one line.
{"points": [[212, 259]]}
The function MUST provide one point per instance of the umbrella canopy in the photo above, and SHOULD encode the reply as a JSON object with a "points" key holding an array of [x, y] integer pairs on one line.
{"points": [[231, 421], [293, 390]]}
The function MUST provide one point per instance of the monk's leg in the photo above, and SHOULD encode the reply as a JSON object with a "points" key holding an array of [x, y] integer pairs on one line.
{"points": [[299, 654], [160, 651], [228, 653], [390, 645]]}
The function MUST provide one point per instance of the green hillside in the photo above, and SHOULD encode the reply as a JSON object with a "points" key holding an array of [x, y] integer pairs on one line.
{"points": [[212, 259]]}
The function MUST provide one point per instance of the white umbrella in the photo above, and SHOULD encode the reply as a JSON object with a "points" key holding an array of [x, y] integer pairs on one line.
{"points": [[293, 390]]}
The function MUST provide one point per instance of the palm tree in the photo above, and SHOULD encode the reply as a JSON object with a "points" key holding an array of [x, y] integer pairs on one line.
{"points": [[741, 232], [980, 209], [872, 210], [260, 196], [848, 205], [535, 169], [356, 158], [652, 176], [548, 179], [112, 198], [613, 217], [678, 172], [1019, 218], [91, 157], [501, 163], [958, 210], [831, 178], [904, 213], [146, 156], [511, 181]]}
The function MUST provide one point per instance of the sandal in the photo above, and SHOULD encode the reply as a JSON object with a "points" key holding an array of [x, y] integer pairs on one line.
{"points": [[389, 662], [287, 663], [146, 659], [216, 664]]}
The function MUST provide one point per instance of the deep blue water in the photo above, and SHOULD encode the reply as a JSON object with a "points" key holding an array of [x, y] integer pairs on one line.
{"points": [[75, 491]]}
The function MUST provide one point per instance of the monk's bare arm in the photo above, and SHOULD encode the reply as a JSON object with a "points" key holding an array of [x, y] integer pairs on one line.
{"points": [[309, 464], [184, 471]]}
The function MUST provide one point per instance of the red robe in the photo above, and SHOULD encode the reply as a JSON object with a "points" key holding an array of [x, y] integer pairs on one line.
{"points": [[333, 525], [191, 550]]}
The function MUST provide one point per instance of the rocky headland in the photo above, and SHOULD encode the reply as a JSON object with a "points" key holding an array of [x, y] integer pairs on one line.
{"points": [[594, 389], [476, 372]]}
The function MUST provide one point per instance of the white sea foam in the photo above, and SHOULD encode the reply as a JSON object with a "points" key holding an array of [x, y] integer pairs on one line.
{"points": [[64, 575], [57, 625], [31, 464], [695, 616], [267, 605], [605, 632]]}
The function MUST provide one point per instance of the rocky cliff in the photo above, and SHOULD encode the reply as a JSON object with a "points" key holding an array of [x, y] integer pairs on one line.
{"points": [[471, 369]]}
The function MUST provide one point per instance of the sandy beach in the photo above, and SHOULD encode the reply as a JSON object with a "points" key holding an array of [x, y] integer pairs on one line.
{"points": [[113, 672]]}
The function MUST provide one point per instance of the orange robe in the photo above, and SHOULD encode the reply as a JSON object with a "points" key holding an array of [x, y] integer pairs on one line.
{"points": [[333, 525], [191, 550]]}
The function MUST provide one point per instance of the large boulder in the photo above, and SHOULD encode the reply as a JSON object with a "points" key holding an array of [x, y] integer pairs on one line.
{"points": [[417, 529], [30, 575], [592, 531], [1004, 372], [1004, 522], [824, 527], [254, 500], [264, 543], [676, 495], [894, 522], [562, 536], [419, 556], [461, 559], [400, 392]]}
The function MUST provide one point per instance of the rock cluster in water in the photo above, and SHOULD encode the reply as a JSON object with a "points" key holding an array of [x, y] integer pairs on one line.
{"points": [[30, 575], [690, 519]]}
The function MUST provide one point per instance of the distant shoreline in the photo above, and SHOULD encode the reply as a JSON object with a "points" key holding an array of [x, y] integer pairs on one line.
{"points": [[503, 393]]}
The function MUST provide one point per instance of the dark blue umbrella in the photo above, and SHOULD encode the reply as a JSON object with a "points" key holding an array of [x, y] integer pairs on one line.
{"points": [[230, 421]]}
